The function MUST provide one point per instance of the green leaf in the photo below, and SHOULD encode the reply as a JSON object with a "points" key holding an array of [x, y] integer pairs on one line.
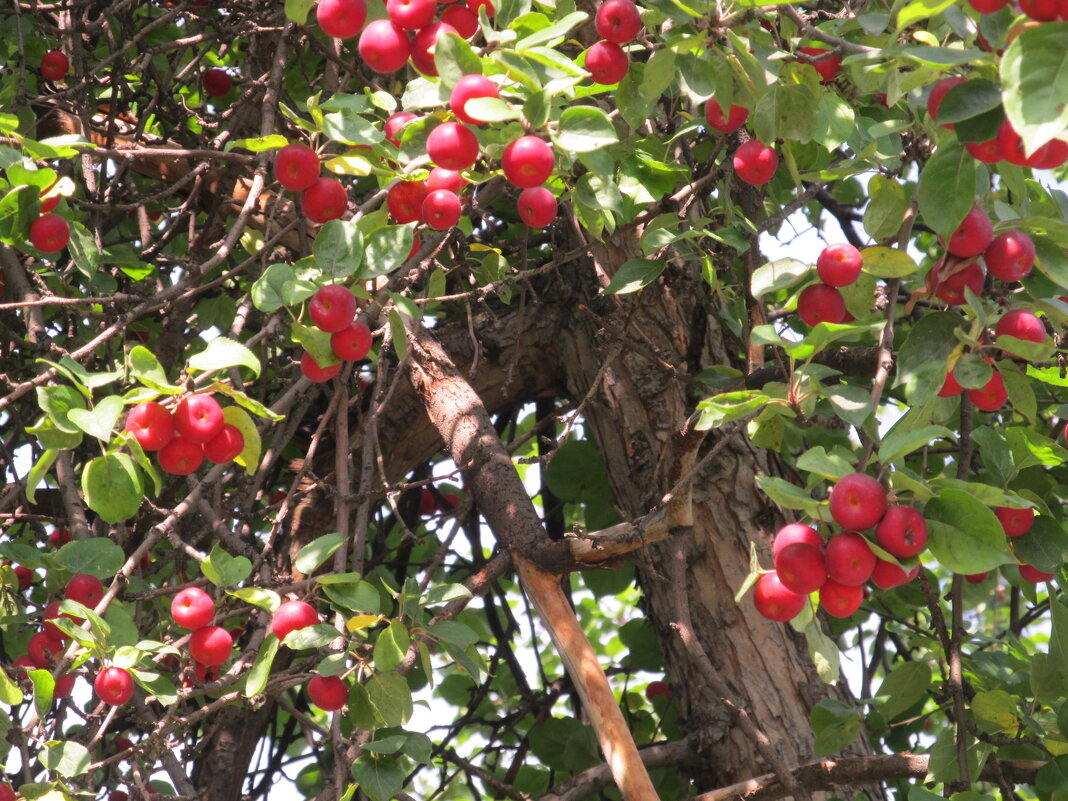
{"points": [[249, 458], [836, 726], [112, 487], [10, 693], [920, 10], [83, 250], [536, 109], [1053, 776], [634, 274], [776, 275], [100, 422], [145, 367], [97, 556], [659, 74], [57, 402], [256, 680], [491, 109], [831, 466], [898, 444], [947, 188], [928, 345], [356, 596], [903, 688], [558, 29], [386, 745], [888, 262], [338, 248], [68, 759], [584, 128], [995, 712], [260, 144], [224, 570], [727, 406], [1034, 85], [391, 646], [157, 685], [317, 636], [379, 778], [297, 10], [787, 495], [222, 353], [267, 291], [965, 536], [390, 697], [969, 99], [887, 205], [852, 404], [1045, 546], [387, 249], [454, 59], [53, 439], [317, 551], [38, 472], [264, 599], [824, 653]]}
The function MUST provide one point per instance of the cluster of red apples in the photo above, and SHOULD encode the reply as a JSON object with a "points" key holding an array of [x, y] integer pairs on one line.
{"points": [[837, 266], [838, 569], [332, 309], [195, 430]]}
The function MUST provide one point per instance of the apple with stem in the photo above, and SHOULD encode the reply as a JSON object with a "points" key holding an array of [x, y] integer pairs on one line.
{"points": [[617, 21], [151, 424], [857, 501], [114, 686], [192, 608], [198, 418], [332, 308]]}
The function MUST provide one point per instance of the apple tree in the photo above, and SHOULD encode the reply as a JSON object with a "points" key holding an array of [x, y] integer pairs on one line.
{"points": [[524, 400]]}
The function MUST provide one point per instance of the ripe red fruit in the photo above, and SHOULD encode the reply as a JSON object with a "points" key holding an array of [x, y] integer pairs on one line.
{"points": [[59, 537], [1021, 324], [329, 693], [425, 39], [428, 505], [441, 178], [840, 600], [796, 532], [537, 206], [352, 343], [217, 82], [857, 501], [54, 65], [657, 689], [411, 14], [198, 418], [64, 686], [332, 308], [192, 608], [714, 116], [1015, 522], [991, 397], [43, 650], [801, 568], [48, 203], [617, 21], [820, 303], [1011, 145], [1010, 256], [951, 290], [467, 88], [825, 62], [313, 372], [50, 613], [950, 387], [85, 589], [293, 615], [774, 601], [462, 19], [1033, 574], [225, 446], [902, 532], [441, 209], [475, 5], [341, 19], [972, 236], [7, 792], [850, 560], [452, 145], [1041, 10], [977, 578], [1050, 155], [180, 456], [839, 265], [988, 6], [755, 163], [405, 200], [989, 152], [394, 125], [211, 645], [384, 46], [296, 167], [324, 200], [938, 92], [49, 233], [25, 576], [528, 162], [607, 63], [151, 425], [114, 686]]}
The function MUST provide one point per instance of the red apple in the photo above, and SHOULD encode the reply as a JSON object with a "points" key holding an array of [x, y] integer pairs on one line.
{"points": [[352, 343], [951, 289], [1010, 256], [151, 425], [217, 82], [801, 568], [796, 532], [43, 650], [1033, 574], [192, 608], [774, 601], [332, 308], [441, 178], [824, 61], [180, 456], [468, 88], [820, 303], [329, 693], [441, 209], [857, 501], [950, 387], [85, 589], [198, 418], [54, 65], [452, 145], [225, 446], [395, 123], [1041, 10], [341, 19], [1011, 145], [902, 532], [1021, 324], [617, 21], [49, 233], [1015, 522], [988, 152], [293, 615], [938, 92], [59, 537], [528, 162], [384, 46], [462, 19], [114, 686], [714, 116], [992, 396], [313, 372], [988, 6], [755, 163], [405, 200], [324, 200], [840, 600], [537, 206], [658, 689], [424, 40], [211, 645], [411, 14], [296, 166], [607, 63], [839, 265], [972, 236], [850, 560]]}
